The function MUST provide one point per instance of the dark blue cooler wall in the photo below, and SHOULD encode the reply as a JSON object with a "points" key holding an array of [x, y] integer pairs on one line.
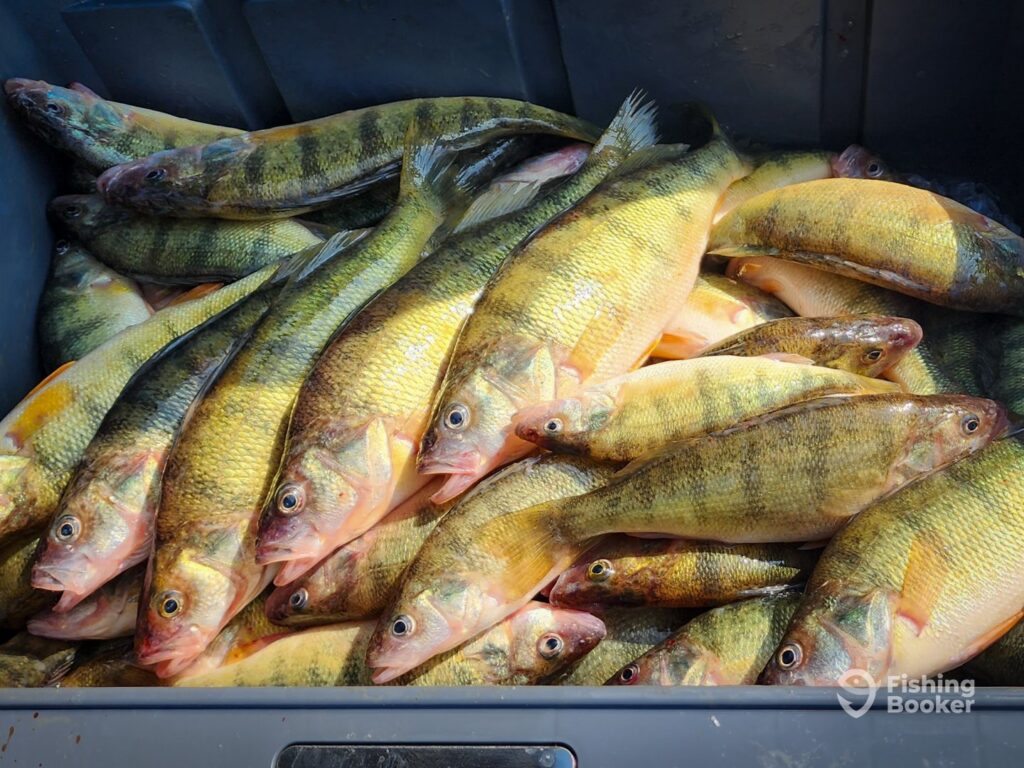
{"points": [[933, 86]]}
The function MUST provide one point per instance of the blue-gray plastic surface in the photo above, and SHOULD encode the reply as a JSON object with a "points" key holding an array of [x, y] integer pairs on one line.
{"points": [[931, 86]]}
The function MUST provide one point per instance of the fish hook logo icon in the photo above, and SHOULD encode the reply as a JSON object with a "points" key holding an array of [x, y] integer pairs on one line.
{"points": [[863, 685]]}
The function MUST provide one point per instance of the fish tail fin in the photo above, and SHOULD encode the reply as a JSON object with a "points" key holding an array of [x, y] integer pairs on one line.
{"points": [[634, 127]]}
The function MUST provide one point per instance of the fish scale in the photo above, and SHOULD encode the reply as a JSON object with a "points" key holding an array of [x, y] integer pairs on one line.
{"points": [[919, 582]]}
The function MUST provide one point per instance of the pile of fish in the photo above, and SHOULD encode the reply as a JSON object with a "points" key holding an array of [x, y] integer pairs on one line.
{"points": [[464, 391]]}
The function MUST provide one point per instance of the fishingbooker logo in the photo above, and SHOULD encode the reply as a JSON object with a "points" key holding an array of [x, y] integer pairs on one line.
{"points": [[926, 695]]}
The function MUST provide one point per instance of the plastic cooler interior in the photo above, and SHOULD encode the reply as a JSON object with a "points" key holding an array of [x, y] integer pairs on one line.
{"points": [[932, 87]]}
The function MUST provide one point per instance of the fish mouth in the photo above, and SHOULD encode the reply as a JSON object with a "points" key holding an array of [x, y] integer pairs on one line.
{"points": [[166, 661], [454, 485], [58, 579], [387, 674], [295, 569], [108, 177], [15, 84]]}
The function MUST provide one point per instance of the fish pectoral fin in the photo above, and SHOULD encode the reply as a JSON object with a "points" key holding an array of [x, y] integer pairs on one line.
{"points": [[983, 642], [678, 344], [646, 354], [921, 589]]}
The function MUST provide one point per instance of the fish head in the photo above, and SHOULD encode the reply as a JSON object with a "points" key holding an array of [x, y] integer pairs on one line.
{"points": [[317, 594], [591, 583], [421, 623], [185, 605], [105, 614], [101, 529], [72, 119], [837, 635], [468, 436], [83, 214], [855, 162], [170, 180], [674, 662], [545, 640], [871, 346], [948, 428], [566, 425]]}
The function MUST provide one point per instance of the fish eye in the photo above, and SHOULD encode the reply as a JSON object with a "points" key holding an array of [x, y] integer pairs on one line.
{"points": [[62, 247], [970, 424], [402, 625], [553, 426], [550, 646], [873, 355], [169, 603], [290, 499], [457, 417], [68, 528], [600, 570], [156, 174], [789, 656], [54, 108], [298, 599], [72, 212], [874, 169], [629, 674]]}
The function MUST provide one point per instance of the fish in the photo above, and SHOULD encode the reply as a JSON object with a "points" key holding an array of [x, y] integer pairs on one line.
{"points": [[107, 613], [178, 251], [112, 664], [867, 345], [717, 308], [365, 209], [918, 584], [796, 475], [624, 571], [630, 415], [629, 633], [773, 170], [295, 168], [585, 299], [439, 603], [729, 645], [355, 582], [83, 305], [18, 599], [856, 162], [349, 455], [43, 438], [224, 461], [530, 647], [1002, 663], [27, 661], [105, 520], [813, 292], [891, 235], [100, 133]]}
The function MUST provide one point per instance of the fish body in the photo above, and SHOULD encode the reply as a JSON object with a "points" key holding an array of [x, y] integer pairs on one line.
{"points": [[27, 661], [812, 292], [892, 235], [773, 170], [356, 581], [44, 437], [105, 520], [867, 345], [630, 415], [113, 664], [351, 446], [626, 571], [84, 303], [729, 645], [100, 133], [629, 633], [716, 309], [294, 168], [18, 598], [443, 598], [585, 299], [107, 613], [178, 251], [797, 475], [224, 461], [917, 584]]}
